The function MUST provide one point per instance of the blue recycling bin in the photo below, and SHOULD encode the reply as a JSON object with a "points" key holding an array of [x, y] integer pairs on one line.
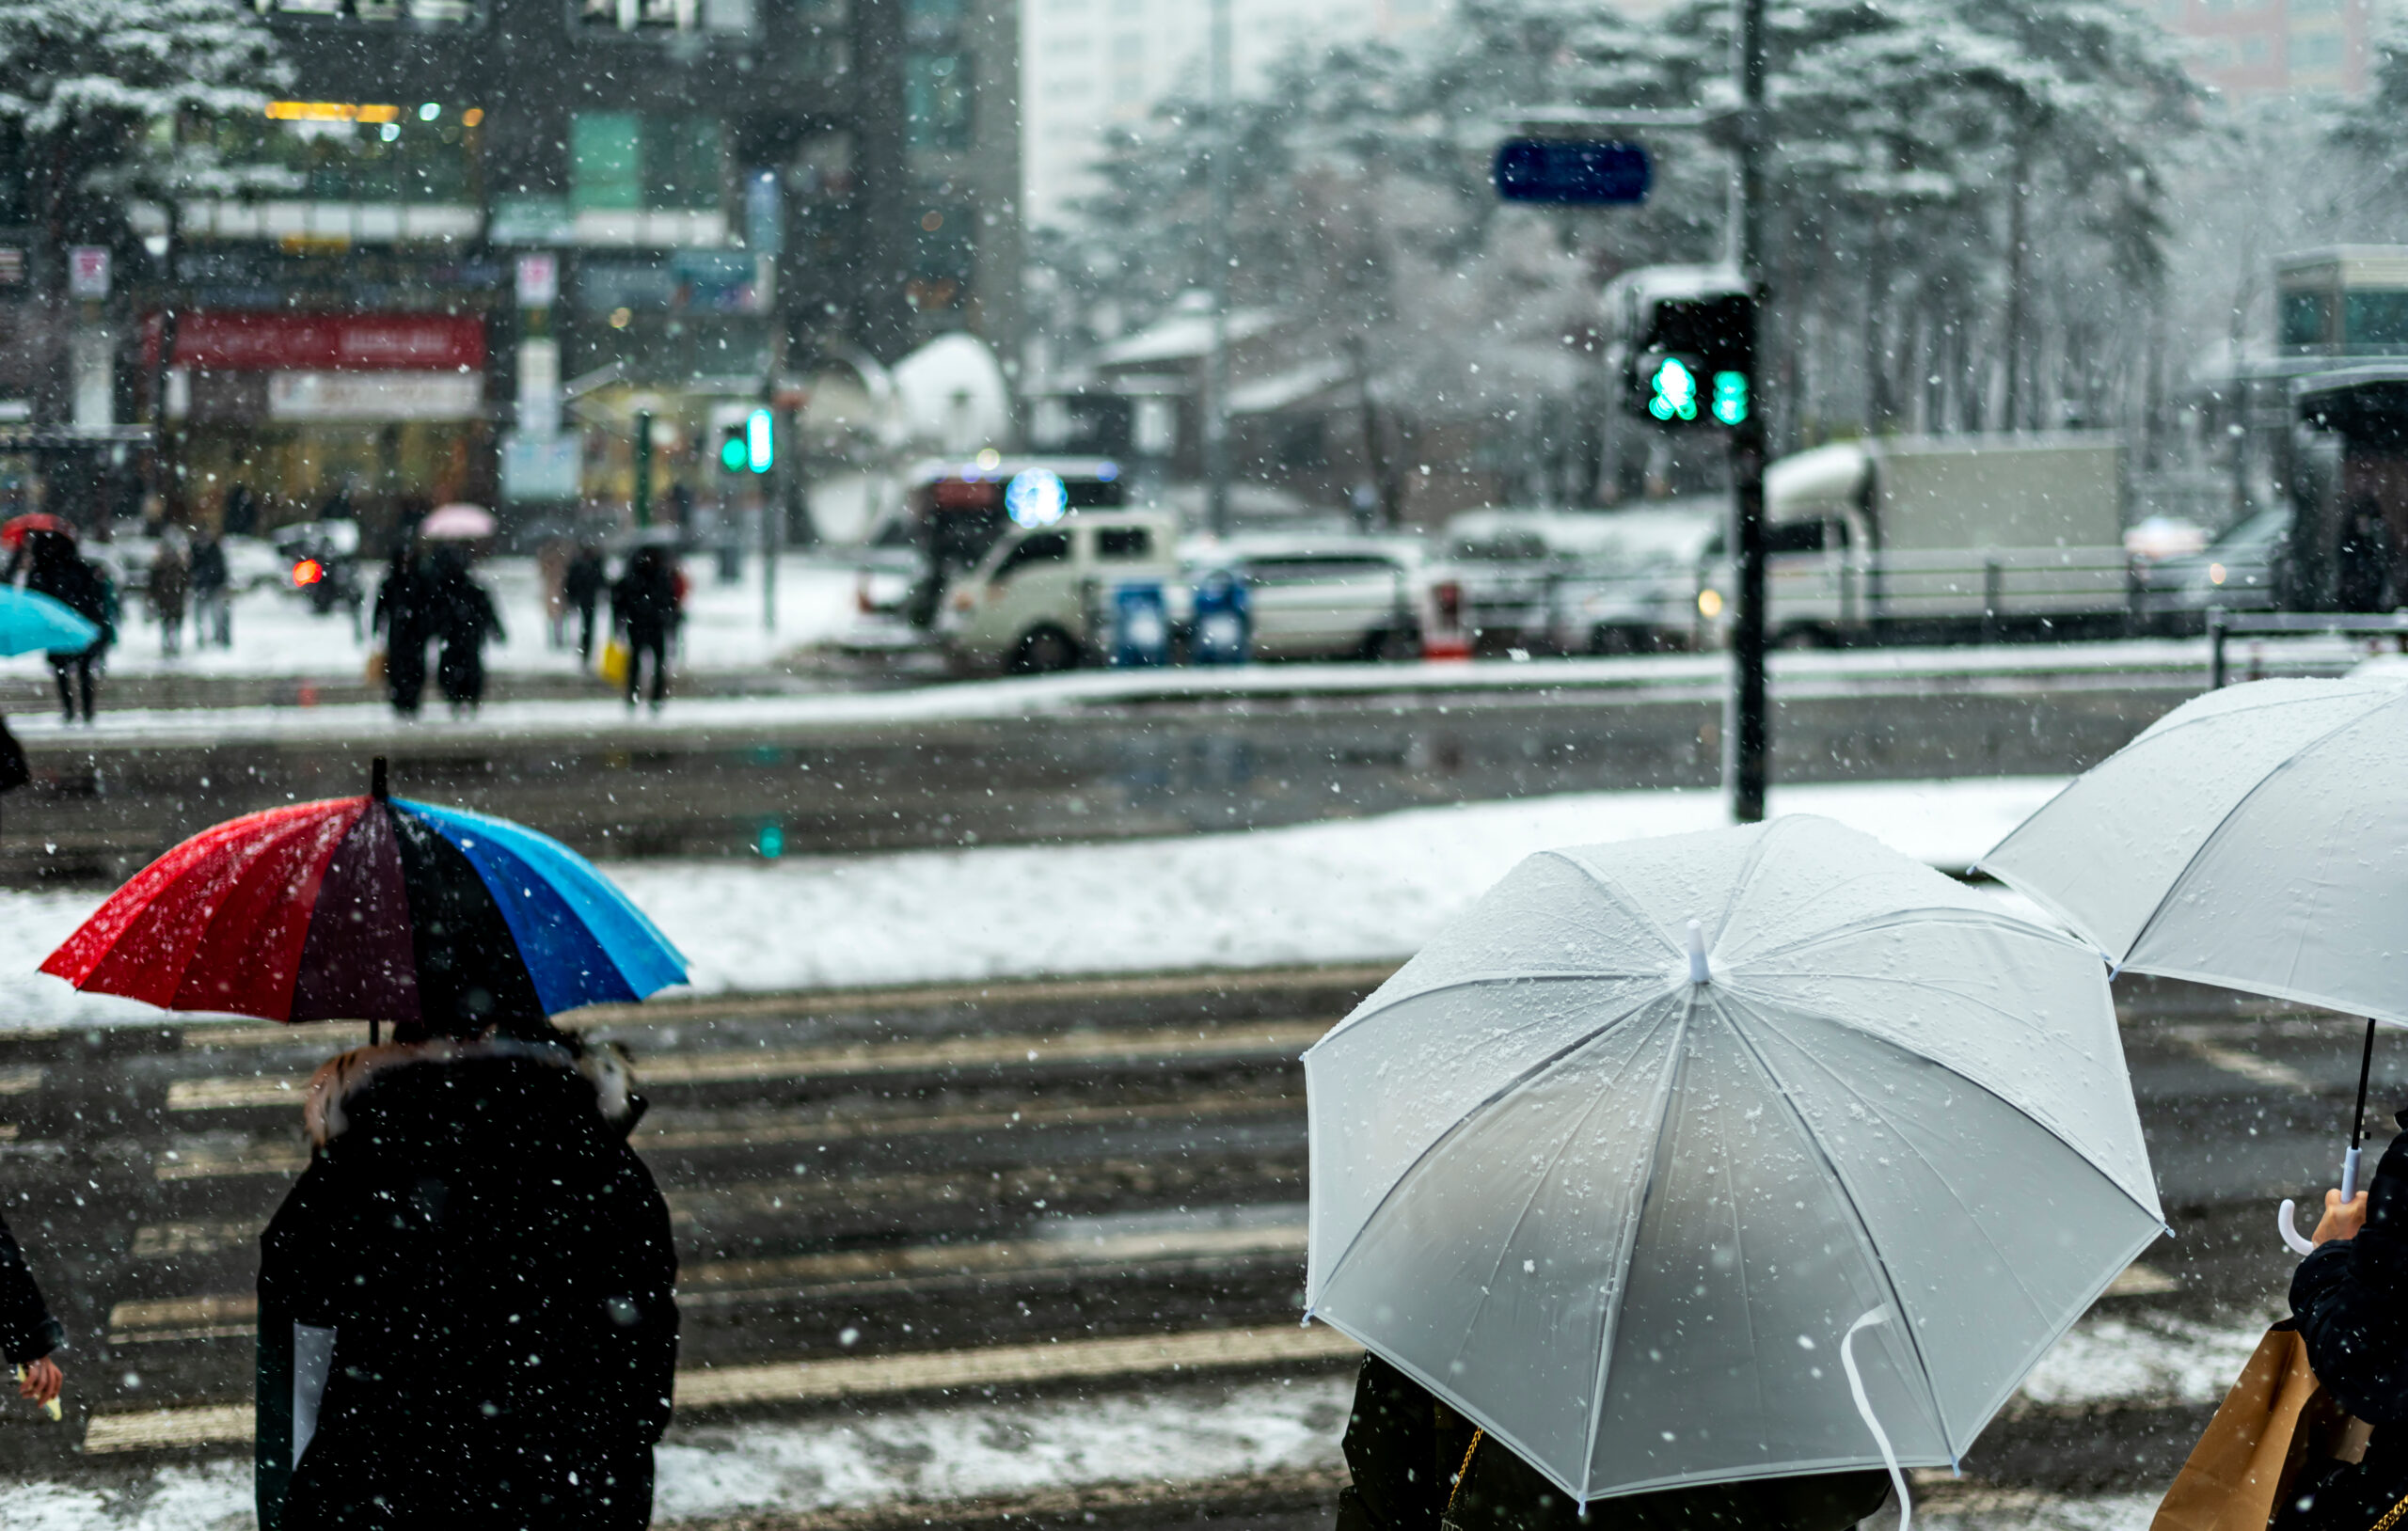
{"points": [[1140, 626], [1224, 626]]}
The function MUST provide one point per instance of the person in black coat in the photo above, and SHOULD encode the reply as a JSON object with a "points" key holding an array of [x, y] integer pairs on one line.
{"points": [[466, 621], [1417, 1465], [644, 604], [581, 585], [466, 1309], [55, 568], [29, 1335], [2350, 1300], [403, 616]]}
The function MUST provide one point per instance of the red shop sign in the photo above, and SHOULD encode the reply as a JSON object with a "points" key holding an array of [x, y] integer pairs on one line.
{"points": [[276, 342]]}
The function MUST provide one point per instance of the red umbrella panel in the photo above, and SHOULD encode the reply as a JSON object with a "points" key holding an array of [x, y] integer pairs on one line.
{"points": [[370, 909]]}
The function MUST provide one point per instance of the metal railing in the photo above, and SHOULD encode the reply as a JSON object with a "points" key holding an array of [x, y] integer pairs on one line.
{"points": [[2223, 624]]}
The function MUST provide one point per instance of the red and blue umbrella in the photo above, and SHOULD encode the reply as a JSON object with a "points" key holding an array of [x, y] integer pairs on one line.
{"points": [[371, 909]]}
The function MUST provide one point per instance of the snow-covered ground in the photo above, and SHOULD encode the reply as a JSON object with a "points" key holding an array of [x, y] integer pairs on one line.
{"points": [[276, 634], [1193, 1434], [1361, 889]]}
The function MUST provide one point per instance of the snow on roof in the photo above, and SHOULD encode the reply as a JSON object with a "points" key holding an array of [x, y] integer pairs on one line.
{"points": [[1182, 337], [1285, 390]]}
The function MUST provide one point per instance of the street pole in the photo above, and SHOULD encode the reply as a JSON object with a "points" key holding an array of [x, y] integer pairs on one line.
{"points": [[643, 467], [1216, 365], [781, 463], [1747, 727]]}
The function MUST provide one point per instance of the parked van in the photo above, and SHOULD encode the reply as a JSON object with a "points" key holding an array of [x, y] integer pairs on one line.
{"points": [[1042, 598]]}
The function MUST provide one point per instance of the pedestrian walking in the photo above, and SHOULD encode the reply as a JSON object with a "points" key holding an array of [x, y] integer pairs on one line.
{"points": [[403, 616], [212, 606], [170, 585], [55, 569], [644, 604], [582, 584], [468, 620], [552, 573], [468, 1296], [29, 1337]]}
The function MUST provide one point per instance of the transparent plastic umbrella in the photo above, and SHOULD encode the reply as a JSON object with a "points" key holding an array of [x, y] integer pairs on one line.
{"points": [[2254, 838], [1624, 1190]]}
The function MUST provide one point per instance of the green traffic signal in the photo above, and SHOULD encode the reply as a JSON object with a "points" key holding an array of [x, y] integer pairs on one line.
{"points": [[1730, 397], [732, 451], [1674, 392]]}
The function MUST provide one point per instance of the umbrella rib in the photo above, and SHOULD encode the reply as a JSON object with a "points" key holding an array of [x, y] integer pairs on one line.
{"points": [[1856, 1215], [1479, 980], [1621, 898], [2224, 822], [1742, 878], [1932, 915]]}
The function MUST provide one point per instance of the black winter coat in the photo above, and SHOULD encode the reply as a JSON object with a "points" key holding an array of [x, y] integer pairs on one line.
{"points": [[1405, 1448], [2350, 1300], [27, 1332], [495, 1263]]}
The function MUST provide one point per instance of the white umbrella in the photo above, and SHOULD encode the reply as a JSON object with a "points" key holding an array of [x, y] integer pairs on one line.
{"points": [[1627, 1206], [2255, 838], [460, 523]]}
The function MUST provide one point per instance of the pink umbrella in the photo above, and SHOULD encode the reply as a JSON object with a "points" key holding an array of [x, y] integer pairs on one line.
{"points": [[461, 523]]}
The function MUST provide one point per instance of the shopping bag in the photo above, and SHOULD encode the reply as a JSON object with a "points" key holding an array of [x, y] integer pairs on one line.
{"points": [[615, 660], [376, 665], [2260, 1434]]}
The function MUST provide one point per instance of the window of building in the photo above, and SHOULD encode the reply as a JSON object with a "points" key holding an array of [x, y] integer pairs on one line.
{"points": [[357, 151], [682, 164], [2306, 318], [2316, 51], [936, 101], [606, 161], [2374, 318]]}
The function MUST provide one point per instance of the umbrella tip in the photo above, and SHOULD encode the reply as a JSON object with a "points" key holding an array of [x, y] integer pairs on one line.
{"points": [[377, 779], [1697, 953]]}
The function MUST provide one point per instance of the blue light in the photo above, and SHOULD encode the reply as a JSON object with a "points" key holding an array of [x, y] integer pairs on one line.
{"points": [[1730, 397], [1036, 497], [1107, 473]]}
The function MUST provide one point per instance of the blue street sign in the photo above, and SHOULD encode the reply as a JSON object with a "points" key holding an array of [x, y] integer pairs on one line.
{"points": [[1570, 170]]}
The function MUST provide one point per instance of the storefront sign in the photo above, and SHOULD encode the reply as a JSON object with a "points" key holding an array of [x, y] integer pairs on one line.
{"points": [[88, 271], [218, 341], [375, 396], [547, 467], [539, 280]]}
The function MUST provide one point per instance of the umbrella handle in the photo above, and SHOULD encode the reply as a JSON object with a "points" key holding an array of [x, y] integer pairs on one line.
{"points": [[2349, 1175], [2289, 1230]]}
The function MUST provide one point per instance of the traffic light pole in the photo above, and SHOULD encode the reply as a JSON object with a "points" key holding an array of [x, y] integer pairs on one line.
{"points": [[1747, 732]]}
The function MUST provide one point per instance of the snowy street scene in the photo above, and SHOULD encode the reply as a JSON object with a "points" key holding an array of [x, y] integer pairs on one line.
{"points": [[1060, 766]]}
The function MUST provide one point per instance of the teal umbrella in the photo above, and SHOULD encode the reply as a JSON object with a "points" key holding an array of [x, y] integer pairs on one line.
{"points": [[31, 620]]}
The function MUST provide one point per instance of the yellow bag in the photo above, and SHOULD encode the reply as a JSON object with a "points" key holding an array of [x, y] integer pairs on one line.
{"points": [[377, 667], [616, 658], [2262, 1432]]}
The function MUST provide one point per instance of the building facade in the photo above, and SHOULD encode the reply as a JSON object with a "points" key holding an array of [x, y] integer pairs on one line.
{"points": [[2262, 47], [505, 236]]}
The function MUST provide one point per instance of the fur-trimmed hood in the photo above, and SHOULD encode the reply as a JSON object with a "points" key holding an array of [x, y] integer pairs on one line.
{"points": [[341, 1079]]}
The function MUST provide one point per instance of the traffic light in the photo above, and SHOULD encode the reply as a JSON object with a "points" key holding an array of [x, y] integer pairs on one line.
{"points": [[732, 453], [1692, 356], [760, 441]]}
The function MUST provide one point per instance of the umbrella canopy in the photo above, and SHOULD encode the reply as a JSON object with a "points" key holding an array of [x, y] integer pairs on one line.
{"points": [[14, 530], [370, 909], [461, 523], [1620, 1204], [2255, 838], [31, 622]]}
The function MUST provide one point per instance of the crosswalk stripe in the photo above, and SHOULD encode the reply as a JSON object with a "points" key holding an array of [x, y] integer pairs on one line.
{"points": [[743, 1065], [849, 1377], [199, 1318]]}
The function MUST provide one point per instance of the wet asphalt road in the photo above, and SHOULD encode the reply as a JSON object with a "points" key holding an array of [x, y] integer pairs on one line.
{"points": [[872, 1176]]}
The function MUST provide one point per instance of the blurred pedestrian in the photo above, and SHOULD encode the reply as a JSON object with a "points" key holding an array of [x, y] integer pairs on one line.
{"points": [[582, 583], [55, 568], [29, 1337], [1417, 1465], [15, 769], [469, 621], [471, 1286], [167, 587], [212, 606], [404, 615], [552, 573], [644, 604]]}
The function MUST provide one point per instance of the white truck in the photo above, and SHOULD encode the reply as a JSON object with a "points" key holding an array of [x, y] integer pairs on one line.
{"points": [[1932, 539], [1038, 600]]}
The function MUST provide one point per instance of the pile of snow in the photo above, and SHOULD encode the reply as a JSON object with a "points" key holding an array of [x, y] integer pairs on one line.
{"points": [[1353, 891]]}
